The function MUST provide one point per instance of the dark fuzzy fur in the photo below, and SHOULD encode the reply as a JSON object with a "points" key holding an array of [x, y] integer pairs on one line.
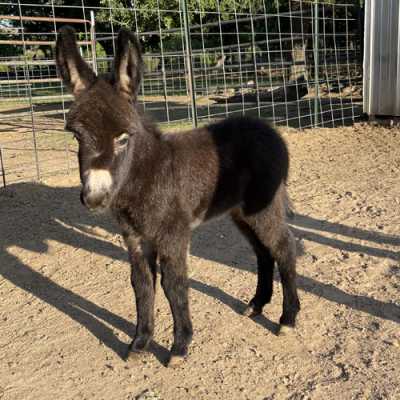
{"points": [[163, 184]]}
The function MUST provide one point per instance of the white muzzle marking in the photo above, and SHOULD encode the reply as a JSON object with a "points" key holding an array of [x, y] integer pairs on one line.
{"points": [[98, 181]]}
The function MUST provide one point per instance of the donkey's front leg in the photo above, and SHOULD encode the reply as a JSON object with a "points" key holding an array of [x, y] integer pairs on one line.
{"points": [[143, 279], [175, 283]]}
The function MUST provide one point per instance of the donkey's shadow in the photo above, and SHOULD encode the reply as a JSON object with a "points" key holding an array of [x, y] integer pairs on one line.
{"points": [[20, 205], [64, 220], [222, 233], [60, 208]]}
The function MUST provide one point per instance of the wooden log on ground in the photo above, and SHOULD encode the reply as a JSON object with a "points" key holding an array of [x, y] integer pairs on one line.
{"points": [[292, 91]]}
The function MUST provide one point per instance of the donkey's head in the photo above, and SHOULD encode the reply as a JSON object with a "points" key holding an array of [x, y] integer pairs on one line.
{"points": [[102, 117]]}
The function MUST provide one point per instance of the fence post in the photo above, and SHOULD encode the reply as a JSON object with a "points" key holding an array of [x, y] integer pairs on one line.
{"points": [[3, 172], [164, 76], [253, 47], [189, 63], [316, 64], [93, 41], [29, 85]]}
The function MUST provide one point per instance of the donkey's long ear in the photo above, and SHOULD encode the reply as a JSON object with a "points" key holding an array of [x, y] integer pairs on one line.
{"points": [[128, 64], [76, 74]]}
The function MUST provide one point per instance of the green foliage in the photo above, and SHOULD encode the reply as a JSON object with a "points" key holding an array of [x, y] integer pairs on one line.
{"points": [[147, 18], [100, 52], [151, 63], [86, 50], [152, 15], [34, 52]]}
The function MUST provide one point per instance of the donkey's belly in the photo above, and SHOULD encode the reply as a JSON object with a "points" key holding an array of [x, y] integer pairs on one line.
{"points": [[227, 195]]}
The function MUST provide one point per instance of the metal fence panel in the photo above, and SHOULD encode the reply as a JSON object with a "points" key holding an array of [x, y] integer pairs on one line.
{"points": [[296, 63]]}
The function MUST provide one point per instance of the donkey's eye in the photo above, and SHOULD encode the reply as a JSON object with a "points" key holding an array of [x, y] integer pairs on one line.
{"points": [[121, 140], [76, 136]]}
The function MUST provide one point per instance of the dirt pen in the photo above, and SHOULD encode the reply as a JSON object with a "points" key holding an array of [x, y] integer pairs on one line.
{"points": [[68, 310], [67, 306]]}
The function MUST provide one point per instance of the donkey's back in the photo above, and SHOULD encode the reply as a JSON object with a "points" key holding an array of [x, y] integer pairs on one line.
{"points": [[240, 161]]}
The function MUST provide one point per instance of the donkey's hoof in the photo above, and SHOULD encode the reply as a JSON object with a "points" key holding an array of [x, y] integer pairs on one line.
{"points": [[137, 349], [178, 355], [285, 330], [134, 353], [251, 311], [175, 361]]}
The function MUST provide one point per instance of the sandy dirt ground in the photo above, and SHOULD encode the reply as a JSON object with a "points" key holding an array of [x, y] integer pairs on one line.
{"points": [[67, 310]]}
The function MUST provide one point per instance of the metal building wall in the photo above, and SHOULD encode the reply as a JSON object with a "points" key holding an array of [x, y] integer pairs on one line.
{"points": [[382, 57]]}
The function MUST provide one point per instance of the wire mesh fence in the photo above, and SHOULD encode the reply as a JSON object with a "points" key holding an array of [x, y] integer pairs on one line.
{"points": [[296, 62]]}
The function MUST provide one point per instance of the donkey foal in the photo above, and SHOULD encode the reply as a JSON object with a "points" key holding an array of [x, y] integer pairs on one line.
{"points": [[159, 187]]}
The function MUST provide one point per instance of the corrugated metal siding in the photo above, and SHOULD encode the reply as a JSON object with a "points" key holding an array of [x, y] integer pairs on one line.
{"points": [[382, 57]]}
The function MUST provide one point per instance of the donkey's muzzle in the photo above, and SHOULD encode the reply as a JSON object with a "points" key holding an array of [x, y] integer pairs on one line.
{"points": [[96, 189], [95, 201]]}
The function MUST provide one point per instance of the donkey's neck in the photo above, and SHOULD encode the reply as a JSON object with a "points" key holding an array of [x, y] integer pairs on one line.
{"points": [[143, 151], [144, 147]]}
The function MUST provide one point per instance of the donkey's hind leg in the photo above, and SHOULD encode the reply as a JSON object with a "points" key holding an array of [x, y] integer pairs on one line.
{"points": [[284, 250], [265, 267], [271, 229]]}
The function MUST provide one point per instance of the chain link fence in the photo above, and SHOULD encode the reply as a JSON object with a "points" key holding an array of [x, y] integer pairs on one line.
{"points": [[297, 63]]}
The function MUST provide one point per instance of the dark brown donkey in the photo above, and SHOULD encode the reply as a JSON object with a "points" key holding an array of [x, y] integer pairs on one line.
{"points": [[161, 186]]}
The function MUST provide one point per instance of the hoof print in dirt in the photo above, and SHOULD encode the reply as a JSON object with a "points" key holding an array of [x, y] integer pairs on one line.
{"points": [[148, 395]]}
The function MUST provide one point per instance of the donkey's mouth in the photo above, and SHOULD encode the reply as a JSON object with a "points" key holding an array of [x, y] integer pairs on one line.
{"points": [[101, 209], [95, 204], [98, 210]]}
